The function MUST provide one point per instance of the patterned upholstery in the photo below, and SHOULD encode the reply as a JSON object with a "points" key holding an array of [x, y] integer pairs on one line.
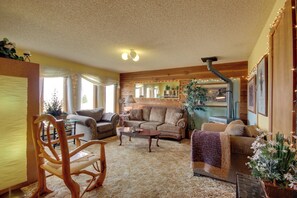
{"points": [[150, 125], [158, 114], [94, 113], [104, 126], [107, 116], [91, 127], [173, 115], [146, 113], [135, 114], [170, 121]]}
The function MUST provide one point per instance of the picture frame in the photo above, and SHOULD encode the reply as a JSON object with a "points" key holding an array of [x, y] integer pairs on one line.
{"points": [[262, 83], [212, 91], [252, 94]]}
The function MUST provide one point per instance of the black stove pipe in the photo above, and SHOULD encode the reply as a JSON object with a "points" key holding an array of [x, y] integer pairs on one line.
{"points": [[209, 60]]}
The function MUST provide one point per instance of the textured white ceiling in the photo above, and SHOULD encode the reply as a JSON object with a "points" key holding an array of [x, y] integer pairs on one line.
{"points": [[165, 33]]}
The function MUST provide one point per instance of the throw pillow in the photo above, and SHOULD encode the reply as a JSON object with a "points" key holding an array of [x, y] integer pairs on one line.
{"points": [[174, 118], [158, 114], [251, 131], [135, 114], [237, 122], [94, 113], [146, 113], [235, 129], [107, 117]]}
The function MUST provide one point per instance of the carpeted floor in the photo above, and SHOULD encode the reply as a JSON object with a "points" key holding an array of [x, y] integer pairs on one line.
{"points": [[134, 172]]}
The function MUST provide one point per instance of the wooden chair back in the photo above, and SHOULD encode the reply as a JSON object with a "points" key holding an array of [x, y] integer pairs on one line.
{"points": [[48, 159]]}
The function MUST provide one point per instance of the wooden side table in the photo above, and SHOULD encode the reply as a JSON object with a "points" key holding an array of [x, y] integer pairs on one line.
{"points": [[248, 186], [70, 129]]}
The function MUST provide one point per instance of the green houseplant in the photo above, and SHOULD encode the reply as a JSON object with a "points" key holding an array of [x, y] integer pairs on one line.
{"points": [[7, 50], [275, 163], [195, 99], [53, 107]]}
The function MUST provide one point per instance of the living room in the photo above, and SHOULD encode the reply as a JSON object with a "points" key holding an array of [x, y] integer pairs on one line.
{"points": [[149, 51]]}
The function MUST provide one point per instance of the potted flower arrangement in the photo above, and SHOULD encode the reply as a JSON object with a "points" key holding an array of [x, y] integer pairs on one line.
{"points": [[275, 163]]}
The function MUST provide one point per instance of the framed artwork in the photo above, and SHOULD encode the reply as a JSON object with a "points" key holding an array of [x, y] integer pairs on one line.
{"points": [[262, 81], [252, 94], [213, 90]]}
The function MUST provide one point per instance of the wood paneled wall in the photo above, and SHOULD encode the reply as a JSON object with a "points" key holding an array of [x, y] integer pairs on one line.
{"points": [[184, 74]]}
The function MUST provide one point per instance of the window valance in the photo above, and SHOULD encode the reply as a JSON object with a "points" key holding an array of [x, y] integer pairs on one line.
{"points": [[47, 71]]}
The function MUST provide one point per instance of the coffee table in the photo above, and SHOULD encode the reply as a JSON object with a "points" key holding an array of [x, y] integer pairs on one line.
{"points": [[139, 133]]}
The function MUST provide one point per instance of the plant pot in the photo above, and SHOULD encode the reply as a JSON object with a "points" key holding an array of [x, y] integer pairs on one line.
{"points": [[273, 191]]}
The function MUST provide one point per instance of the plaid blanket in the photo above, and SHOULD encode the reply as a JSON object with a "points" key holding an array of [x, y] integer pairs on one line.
{"points": [[210, 152]]}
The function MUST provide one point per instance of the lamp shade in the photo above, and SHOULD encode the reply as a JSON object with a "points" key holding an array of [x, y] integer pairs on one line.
{"points": [[129, 99]]}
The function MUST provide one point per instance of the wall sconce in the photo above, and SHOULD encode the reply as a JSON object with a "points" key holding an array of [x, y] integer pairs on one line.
{"points": [[132, 54]]}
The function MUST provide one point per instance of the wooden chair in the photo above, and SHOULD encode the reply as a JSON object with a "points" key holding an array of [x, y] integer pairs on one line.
{"points": [[68, 163]]}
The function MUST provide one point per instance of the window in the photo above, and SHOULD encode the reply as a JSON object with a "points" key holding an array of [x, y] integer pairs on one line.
{"points": [[53, 86], [87, 94], [156, 92], [137, 92], [110, 96]]}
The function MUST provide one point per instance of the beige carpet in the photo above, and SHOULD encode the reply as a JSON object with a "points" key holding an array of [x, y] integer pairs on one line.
{"points": [[134, 172]]}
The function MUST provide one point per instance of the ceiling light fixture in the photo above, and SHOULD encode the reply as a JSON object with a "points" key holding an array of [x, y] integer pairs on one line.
{"points": [[132, 54]]}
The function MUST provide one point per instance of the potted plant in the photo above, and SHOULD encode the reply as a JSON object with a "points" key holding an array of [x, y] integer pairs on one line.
{"points": [[195, 100], [53, 107], [7, 50], [275, 163], [167, 90]]}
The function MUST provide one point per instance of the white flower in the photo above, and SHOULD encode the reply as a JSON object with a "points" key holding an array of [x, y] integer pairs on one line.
{"points": [[272, 150], [272, 143], [285, 151], [293, 150], [288, 176], [257, 154], [269, 133]]}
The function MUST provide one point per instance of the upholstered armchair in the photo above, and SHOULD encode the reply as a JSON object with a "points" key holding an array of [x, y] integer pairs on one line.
{"points": [[241, 138], [95, 124]]}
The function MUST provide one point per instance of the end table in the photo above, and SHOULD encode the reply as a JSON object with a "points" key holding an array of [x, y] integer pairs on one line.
{"points": [[123, 117], [248, 186]]}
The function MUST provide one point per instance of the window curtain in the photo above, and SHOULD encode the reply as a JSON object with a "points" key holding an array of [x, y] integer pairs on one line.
{"points": [[99, 96], [72, 87], [115, 105], [75, 89]]}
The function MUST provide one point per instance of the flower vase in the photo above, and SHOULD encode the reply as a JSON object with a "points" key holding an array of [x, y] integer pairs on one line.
{"points": [[273, 191]]}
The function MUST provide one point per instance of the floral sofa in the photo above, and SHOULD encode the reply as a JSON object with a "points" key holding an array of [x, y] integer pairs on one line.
{"points": [[95, 124], [170, 121]]}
